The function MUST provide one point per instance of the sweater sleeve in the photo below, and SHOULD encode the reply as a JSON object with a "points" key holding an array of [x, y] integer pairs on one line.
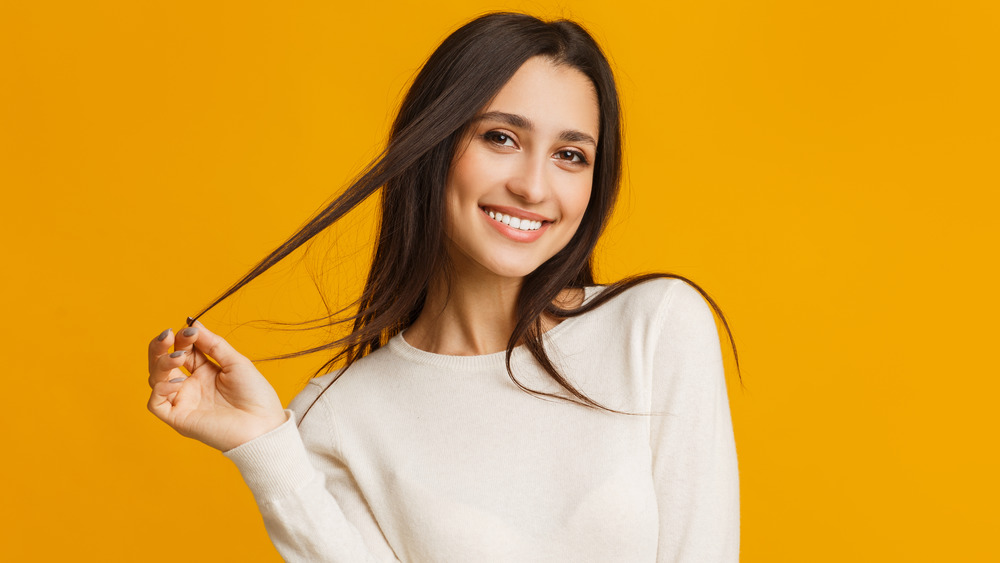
{"points": [[305, 510], [691, 435]]}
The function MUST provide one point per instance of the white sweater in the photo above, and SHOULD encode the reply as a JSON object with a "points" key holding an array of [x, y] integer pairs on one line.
{"points": [[415, 456]]}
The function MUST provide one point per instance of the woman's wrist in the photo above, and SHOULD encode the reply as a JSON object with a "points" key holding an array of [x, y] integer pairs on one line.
{"points": [[274, 463], [253, 430]]}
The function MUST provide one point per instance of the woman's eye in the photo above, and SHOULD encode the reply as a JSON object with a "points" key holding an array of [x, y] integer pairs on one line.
{"points": [[499, 138], [574, 157]]}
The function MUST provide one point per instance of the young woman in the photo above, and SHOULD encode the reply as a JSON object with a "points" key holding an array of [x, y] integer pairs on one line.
{"points": [[496, 405]]}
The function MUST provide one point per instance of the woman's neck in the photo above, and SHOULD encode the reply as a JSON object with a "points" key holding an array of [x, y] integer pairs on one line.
{"points": [[466, 316], [472, 315]]}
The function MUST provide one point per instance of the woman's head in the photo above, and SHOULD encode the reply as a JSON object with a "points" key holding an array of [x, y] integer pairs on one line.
{"points": [[458, 82], [522, 172]]}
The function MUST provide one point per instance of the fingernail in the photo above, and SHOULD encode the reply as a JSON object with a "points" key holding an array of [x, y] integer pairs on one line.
{"points": [[190, 331], [178, 353], [162, 335], [190, 321], [177, 379]]}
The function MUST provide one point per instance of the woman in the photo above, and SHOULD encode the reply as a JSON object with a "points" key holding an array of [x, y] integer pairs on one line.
{"points": [[495, 404]]}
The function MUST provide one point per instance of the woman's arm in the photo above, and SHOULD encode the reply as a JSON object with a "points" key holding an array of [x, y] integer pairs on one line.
{"points": [[309, 515], [227, 404], [694, 452]]}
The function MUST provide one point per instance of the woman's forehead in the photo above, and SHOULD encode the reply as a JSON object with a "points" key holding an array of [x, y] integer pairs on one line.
{"points": [[550, 97]]}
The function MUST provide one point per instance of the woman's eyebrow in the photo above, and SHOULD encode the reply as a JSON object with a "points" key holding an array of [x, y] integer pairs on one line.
{"points": [[521, 122]]}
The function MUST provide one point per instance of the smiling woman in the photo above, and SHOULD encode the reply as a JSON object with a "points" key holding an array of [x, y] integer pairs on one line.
{"points": [[429, 443]]}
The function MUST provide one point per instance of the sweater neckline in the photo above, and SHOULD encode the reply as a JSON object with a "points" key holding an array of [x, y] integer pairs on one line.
{"points": [[398, 345]]}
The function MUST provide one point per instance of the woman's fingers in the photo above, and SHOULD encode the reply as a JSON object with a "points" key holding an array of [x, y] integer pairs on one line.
{"points": [[159, 346], [167, 366], [194, 359], [161, 400], [196, 349], [184, 341], [163, 363], [216, 348]]}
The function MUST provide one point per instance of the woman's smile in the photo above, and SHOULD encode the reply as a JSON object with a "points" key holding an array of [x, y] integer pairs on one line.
{"points": [[516, 224], [517, 219]]}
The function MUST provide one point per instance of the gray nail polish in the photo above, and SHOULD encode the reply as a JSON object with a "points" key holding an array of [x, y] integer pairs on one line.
{"points": [[177, 379], [178, 353], [189, 331], [162, 335]]}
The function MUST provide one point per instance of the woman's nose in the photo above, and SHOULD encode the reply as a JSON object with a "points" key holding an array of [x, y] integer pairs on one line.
{"points": [[529, 182]]}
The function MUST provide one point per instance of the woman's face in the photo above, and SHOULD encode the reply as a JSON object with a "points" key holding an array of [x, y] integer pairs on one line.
{"points": [[521, 177]]}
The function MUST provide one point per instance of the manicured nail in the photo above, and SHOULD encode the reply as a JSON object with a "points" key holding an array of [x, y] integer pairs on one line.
{"points": [[190, 331], [163, 335], [178, 353], [177, 379], [190, 321]]}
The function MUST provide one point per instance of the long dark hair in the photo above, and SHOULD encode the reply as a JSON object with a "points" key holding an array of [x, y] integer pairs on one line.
{"points": [[459, 79]]}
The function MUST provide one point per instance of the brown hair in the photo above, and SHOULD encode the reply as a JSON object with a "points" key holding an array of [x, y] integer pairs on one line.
{"points": [[462, 75]]}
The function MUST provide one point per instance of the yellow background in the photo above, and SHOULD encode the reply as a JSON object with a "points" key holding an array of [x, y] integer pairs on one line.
{"points": [[827, 170]]}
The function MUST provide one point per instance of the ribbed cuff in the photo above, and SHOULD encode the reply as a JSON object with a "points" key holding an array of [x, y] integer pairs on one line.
{"points": [[274, 464]]}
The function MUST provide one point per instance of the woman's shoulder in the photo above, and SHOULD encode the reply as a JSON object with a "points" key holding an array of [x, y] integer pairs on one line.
{"points": [[315, 392], [650, 309], [307, 397], [641, 310], [651, 297]]}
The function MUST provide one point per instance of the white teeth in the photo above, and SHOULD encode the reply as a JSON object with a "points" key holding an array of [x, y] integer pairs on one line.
{"points": [[515, 222]]}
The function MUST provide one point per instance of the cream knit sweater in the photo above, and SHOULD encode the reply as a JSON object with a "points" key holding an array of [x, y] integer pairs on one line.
{"points": [[415, 456]]}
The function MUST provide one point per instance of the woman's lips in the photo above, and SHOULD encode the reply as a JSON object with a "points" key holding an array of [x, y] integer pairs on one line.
{"points": [[510, 224], [515, 212]]}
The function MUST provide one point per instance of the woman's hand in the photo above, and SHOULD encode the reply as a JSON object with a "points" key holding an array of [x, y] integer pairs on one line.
{"points": [[225, 401]]}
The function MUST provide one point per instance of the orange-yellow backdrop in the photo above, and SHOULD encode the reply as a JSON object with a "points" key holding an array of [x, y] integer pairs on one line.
{"points": [[827, 170]]}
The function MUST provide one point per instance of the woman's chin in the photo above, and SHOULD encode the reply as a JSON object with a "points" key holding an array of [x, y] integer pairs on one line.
{"points": [[510, 271], [506, 270]]}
